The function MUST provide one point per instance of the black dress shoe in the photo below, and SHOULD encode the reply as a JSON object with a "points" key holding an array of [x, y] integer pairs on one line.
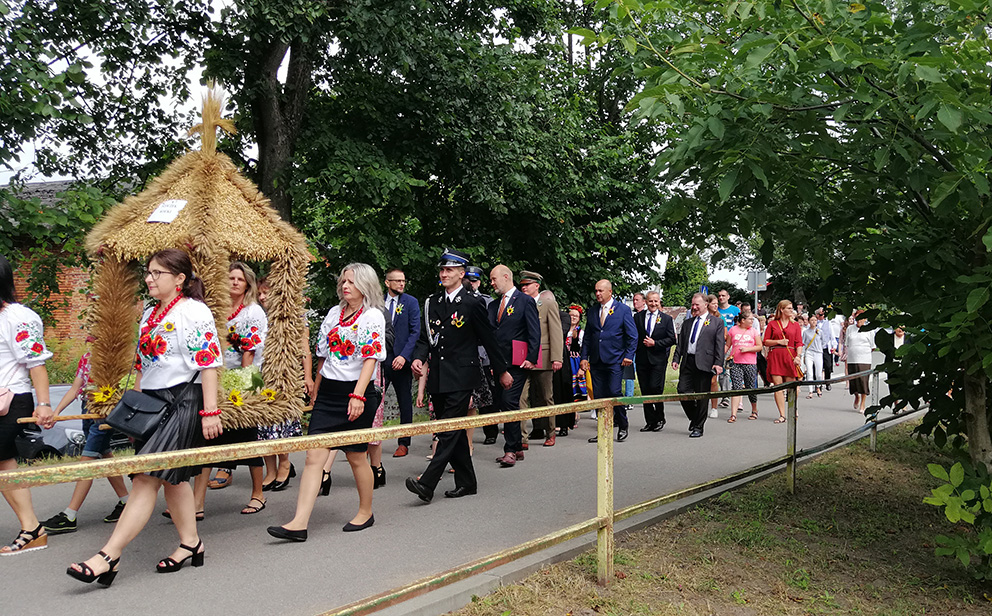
{"points": [[268, 486], [460, 492], [279, 486], [284, 533], [696, 433], [594, 439], [647, 428], [563, 432], [425, 493], [621, 435], [350, 528], [658, 427], [490, 440]]}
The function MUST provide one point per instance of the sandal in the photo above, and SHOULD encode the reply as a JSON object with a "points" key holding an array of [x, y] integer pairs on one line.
{"points": [[250, 509], [809, 396], [754, 415], [26, 541], [779, 420], [219, 482], [199, 515], [86, 574], [732, 419], [170, 564]]}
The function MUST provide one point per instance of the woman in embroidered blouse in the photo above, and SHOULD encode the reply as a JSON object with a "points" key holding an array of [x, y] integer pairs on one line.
{"points": [[350, 344], [178, 343], [246, 330], [784, 340], [22, 364]]}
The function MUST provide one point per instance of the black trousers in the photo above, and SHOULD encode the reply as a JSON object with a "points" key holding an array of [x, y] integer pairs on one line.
{"points": [[402, 382], [828, 364], [452, 447], [692, 380], [652, 379], [491, 431], [607, 383], [509, 400]]}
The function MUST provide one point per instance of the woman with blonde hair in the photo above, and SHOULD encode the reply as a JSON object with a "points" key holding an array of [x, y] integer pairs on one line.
{"points": [[350, 344], [784, 340]]}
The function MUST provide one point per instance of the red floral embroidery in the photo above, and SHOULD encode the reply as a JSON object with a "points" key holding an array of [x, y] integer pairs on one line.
{"points": [[204, 358], [247, 344], [37, 347], [213, 348], [21, 335], [160, 346], [367, 350], [349, 348], [209, 336], [377, 345]]}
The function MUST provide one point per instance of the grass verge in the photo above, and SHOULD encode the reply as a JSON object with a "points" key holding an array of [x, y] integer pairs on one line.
{"points": [[855, 539]]}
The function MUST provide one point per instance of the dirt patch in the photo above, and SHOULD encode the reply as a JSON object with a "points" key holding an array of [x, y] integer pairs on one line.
{"points": [[855, 539]]}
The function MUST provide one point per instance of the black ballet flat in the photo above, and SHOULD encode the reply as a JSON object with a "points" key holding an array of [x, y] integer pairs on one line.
{"points": [[169, 564], [350, 528], [268, 486], [290, 535], [87, 575]]}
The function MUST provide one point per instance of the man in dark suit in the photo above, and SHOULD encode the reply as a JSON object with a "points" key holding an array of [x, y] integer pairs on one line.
{"points": [[655, 338], [517, 325], [455, 324], [404, 313], [700, 353], [608, 347]]}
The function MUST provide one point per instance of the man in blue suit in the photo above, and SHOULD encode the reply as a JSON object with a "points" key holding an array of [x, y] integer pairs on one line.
{"points": [[517, 324], [404, 311], [608, 347]]}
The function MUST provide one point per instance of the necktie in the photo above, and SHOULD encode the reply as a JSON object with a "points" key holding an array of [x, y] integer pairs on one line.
{"points": [[650, 326], [502, 307], [392, 309], [602, 316], [695, 328]]}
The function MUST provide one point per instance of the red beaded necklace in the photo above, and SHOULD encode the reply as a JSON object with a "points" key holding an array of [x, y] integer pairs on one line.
{"points": [[235, 314], [351, 320], [155, 318]]}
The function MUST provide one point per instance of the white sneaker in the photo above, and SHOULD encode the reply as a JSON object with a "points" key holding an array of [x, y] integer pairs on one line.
{"points": [[714, 413], [592, 415]]}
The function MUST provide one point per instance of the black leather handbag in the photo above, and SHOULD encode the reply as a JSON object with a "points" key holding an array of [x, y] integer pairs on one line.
{"points": [[138, 414]]}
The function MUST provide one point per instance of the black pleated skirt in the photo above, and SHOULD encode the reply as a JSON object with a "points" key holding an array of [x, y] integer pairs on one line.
{"points": [[182, 430]]}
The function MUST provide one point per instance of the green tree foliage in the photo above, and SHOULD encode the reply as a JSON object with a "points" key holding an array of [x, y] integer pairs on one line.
{"points": [[856, 138], [685, 273]]}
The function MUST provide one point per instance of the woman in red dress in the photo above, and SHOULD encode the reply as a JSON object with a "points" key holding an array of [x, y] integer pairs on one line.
{"points": [[784, 340]]}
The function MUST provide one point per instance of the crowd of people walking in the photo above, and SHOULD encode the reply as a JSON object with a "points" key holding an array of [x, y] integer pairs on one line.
{"points": [[467, 351]]}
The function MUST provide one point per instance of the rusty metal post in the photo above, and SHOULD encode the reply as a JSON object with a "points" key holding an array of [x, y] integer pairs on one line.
{"points": [[873, 439], [874, 390], [604, 493], [791, 407]]}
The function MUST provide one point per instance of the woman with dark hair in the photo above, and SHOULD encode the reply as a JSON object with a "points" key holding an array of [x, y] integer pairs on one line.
{"points": [[858, 346], [22, 365], [784, 340], [177, 345], [246, 330], [351, 343]]}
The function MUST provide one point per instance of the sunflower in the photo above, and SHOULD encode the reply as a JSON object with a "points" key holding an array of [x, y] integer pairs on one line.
{"points": [[235, 398], [169, 326], [269, 394]]}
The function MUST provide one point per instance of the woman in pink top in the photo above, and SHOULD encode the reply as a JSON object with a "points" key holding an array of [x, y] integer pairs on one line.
{"points": [[743, 344]]}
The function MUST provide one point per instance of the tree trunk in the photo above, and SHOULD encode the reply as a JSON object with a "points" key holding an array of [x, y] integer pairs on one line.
{"points": [[277, 113], [976, 418]]}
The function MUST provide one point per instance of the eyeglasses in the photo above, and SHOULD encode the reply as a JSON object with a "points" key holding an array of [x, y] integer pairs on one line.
{"points": [[395, 279], [154, 274]]}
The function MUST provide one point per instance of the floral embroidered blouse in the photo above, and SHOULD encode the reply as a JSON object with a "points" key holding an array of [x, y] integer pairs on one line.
{"points": [[184, 342], [22, 347], [344, 349], [245, 332]]}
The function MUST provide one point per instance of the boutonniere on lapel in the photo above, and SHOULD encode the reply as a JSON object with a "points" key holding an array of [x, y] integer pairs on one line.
{"points": [[457, 321], [509, 310], [706, 322], [399, 309], [610, 313]]}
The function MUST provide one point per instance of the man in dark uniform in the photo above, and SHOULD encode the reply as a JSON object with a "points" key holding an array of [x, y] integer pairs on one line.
{"points": [[455, 324]]}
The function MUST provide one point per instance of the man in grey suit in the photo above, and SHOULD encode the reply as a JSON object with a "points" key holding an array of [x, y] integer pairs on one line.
{"points": [[700, 352]]}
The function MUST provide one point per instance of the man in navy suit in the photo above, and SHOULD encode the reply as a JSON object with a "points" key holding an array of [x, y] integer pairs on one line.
{"points": [[404, 312], [609, 345], [517, 323], [655, 338]]}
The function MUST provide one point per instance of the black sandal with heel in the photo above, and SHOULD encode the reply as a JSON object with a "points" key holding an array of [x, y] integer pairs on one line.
{"points": [[169, 564], [378, 477], [325, 484], [86, 574]]}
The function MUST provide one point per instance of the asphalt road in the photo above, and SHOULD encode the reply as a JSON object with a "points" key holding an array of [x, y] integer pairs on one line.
{"points": [[248, 573]]}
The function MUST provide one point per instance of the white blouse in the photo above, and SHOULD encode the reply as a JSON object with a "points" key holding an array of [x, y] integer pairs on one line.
{"points": [[246, 332], [22, 347], [859, 345], [183, 343], [345, 349]]}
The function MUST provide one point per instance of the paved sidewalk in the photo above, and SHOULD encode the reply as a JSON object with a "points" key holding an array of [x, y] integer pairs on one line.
{"points": [[247, 572]]}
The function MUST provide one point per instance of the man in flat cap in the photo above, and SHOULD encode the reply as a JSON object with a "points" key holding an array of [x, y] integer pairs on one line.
{"points": [[539, 388], [455, 324], [518, 334]]}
